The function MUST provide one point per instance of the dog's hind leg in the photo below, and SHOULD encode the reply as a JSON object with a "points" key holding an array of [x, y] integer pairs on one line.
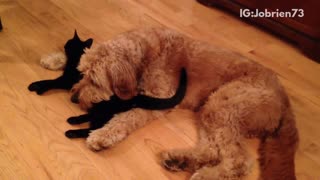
{"points": [[191, 159], [228, 116], [277, 151], [218, 172], [233, 160], [119, 127], [209, 153]]}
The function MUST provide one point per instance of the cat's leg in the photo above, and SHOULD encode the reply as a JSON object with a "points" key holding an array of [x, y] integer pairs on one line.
{"points": [[79, 119], [97, 119], [119, 127], [41, 87], [77, 133]]}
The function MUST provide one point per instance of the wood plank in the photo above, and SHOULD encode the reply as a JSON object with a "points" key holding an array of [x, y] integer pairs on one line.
{"points": [[32, 144]]}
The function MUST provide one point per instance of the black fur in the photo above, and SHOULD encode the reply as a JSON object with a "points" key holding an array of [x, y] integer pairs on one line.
{"points": [[0, 25], [74, 48], [102, 112]]}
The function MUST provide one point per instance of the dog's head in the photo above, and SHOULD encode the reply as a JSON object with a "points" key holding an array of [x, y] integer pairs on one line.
{"points": [[104, 73], [74, 48]]}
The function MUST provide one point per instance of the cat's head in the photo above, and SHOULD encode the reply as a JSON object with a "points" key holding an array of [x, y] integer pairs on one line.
{"points": [[74, 47]]}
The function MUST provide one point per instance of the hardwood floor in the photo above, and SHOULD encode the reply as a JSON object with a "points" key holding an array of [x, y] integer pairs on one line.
{"points": [[32, 142]]}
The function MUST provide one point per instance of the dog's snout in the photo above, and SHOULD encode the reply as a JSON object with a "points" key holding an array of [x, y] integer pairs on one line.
{"points": [[75, 98]]}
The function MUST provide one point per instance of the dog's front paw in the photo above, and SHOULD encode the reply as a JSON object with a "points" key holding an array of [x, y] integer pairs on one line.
{"points": [[198, 176], [94, 142], [73, 120], [215, 173], [208, 174], [103, 138]]}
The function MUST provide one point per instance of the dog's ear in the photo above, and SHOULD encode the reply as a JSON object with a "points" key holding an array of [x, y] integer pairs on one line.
{"points": [[88, 43], [123, 79]]}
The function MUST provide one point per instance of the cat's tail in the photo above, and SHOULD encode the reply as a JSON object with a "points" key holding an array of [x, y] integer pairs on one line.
{"points": [[277, 152], [151, 103]]}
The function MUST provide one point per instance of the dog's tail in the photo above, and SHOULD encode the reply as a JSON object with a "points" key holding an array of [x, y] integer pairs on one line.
{"points": [[151, 103], [277, 151]]}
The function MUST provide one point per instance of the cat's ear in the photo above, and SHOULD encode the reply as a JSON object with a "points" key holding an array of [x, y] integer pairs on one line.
{"points": [[76, 35], [88, 43]]}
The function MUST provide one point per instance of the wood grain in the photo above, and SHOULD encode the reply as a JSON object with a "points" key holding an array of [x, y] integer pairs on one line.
{"points": [[32, 142]]}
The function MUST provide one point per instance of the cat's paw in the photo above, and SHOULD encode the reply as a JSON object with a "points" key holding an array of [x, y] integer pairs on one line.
{"points": [[77, 133], [39, 87], [74, 120], [71, 134], [34, 86], [79, 119]]}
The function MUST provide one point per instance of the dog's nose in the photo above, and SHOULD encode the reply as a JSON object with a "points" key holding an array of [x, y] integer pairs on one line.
{"points": [[75, 98]]}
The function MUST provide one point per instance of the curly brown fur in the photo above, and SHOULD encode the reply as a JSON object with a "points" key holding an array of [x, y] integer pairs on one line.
{"points": [[233, 98], [99, 114]]}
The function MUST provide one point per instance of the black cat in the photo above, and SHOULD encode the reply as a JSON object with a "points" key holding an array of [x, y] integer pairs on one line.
{"points": [[102, 112], [74, 48]]}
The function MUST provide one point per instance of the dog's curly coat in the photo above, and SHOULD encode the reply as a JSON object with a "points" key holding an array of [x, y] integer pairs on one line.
{"points": [[233, 97]]}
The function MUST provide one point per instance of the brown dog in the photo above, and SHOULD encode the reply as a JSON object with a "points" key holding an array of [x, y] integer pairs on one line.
{"points": [[233, 97]]}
